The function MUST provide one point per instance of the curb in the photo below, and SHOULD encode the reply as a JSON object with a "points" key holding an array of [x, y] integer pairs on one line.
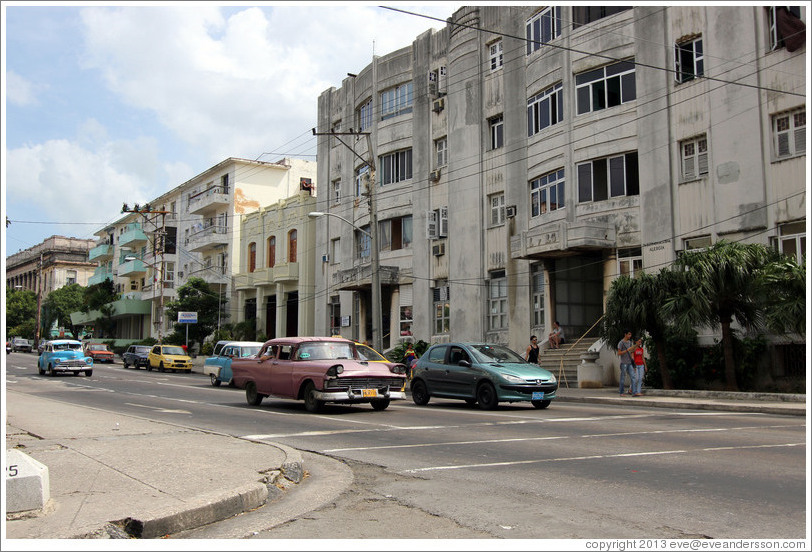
{"points": [[727, 407]]}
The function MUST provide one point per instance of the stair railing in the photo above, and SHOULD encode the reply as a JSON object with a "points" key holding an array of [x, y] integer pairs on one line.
{"points": [[561, 374]]}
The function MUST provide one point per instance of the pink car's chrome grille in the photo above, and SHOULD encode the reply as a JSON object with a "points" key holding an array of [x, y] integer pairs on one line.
{"points": [[365, 383]]}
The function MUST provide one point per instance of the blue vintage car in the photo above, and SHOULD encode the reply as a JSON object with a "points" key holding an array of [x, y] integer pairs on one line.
{"points": [[218, 366], [64, 355]]}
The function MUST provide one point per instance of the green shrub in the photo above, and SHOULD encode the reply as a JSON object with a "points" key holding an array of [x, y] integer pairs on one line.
{"points": [[398, 353]]}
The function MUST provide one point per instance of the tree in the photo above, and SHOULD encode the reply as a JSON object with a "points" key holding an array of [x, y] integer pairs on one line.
{"points": [[782, 286], [196, 296], [100, 297], [21, 313], [634, 304], [722, 285], [60, 303]]}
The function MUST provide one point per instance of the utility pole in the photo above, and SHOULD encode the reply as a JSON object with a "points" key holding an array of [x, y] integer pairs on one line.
{"points": [[377, 305], [159, 242]]}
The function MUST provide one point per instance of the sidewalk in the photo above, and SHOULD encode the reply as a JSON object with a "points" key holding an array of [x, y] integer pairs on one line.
{"points": [[119, 476]]}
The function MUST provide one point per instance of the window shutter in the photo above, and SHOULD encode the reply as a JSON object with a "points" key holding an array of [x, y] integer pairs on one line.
{"points": [[800, 140], [431, 225], [406, 295], [688, 170], [702, 159], [443, 222], [676, 63], [783, 143]]}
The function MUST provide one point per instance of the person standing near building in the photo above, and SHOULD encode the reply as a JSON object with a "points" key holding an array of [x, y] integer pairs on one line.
{"points": [[640, 369], [531, 354], [625, 348]]}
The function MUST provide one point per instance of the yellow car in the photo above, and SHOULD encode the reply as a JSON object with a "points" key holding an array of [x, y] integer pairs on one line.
{"points": [[169, 358]]}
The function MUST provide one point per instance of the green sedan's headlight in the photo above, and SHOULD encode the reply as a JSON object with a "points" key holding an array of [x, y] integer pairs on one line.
{"points": [[513, 379], [552, 378]]}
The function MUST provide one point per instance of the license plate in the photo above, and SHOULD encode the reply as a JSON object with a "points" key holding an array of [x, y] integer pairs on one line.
{"points": [[538, 396], [369, 392]]}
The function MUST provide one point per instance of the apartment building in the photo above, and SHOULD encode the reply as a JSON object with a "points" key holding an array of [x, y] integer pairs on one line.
{"points": [[56, 262], [191, 231], [275, 282], [527, 156]]}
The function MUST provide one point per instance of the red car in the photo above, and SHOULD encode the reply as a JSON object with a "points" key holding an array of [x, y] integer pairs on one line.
{"points": [[318, 370], [99, 352]]}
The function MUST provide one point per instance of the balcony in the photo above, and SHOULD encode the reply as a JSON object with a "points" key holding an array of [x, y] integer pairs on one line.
{"points": [[153, 291], [359, 277], [210, 199], [101, 274], [555, 238], [101, 252], [132, 269], [212, 275], [207, 238], [287, 272], [134, 237]]}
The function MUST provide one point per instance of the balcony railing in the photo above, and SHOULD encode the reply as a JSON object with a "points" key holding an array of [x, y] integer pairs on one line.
{"points": [[100, 252], [207, 237], [210, 198]]}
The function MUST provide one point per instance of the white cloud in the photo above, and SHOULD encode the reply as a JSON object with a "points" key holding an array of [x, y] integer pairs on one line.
{"points": [[19, 91], [80, 184], [238, 83]]}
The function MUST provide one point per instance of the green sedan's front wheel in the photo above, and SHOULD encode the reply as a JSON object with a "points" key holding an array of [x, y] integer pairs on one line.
{"points": [[486, 396]]}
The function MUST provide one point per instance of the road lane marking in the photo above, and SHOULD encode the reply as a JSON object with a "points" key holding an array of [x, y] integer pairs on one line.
{"points": [[593, 457]]}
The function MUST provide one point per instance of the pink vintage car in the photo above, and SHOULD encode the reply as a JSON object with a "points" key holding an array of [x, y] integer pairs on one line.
{"points": [[318, 370]]}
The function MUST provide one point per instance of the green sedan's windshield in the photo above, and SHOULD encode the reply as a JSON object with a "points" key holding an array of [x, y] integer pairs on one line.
{"points": [[491, 354]]}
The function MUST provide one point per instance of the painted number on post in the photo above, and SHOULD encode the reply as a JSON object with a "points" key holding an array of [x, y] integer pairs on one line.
{"points": [[11, 470]]}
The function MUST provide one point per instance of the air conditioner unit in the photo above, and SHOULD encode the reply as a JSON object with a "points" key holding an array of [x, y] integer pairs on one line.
{"points": [[438, 249], [434, 175], [325, 258], [510, 211], [438, 105]]}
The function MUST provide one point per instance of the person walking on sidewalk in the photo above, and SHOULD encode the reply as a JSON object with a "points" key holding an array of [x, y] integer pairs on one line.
{"points": [[625, 347], [640, 369], [531, 355]]}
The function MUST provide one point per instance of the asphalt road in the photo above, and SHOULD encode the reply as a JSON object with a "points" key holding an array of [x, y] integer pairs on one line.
{"points": [[453, 471]]}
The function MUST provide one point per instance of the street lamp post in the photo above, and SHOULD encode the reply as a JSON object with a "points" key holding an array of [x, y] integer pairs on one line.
{"points": [[377, 316]]}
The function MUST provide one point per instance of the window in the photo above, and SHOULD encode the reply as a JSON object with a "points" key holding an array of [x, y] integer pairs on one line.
{"points": [[334, 307], [789, 131], [364, 115], [497, 202], [397, 101], [361, 176], [336, 192], [697, 244], [335, 250], [169, 274], [252, 257], [395, 167], [292, 246], [792, 240], [694, 155], [784, 26], [442, 309], [601, 179], [688, 60], [605, 87], [364, 241], [581, 15], [441, 151], [395, 233], [496, 128], [630, 262], [271, 251], [70, 277], [406, 295], [547, 193], [542, 28], [496, 55], [497, 301], [437, 223], [133, 285], [545, 109], [334, 140], [537, 293]]}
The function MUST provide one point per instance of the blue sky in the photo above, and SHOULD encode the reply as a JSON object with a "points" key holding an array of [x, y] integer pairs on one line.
{"points": [[121, 102]]}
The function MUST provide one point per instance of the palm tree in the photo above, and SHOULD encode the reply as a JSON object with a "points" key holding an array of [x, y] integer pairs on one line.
{"points": [[783, 289], [722, 286], [635, 304]]}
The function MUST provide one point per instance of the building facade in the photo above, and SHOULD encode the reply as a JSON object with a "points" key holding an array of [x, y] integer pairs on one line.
{"points": [[193, 230], [275, 282], [58, 261], [527, 156]]}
